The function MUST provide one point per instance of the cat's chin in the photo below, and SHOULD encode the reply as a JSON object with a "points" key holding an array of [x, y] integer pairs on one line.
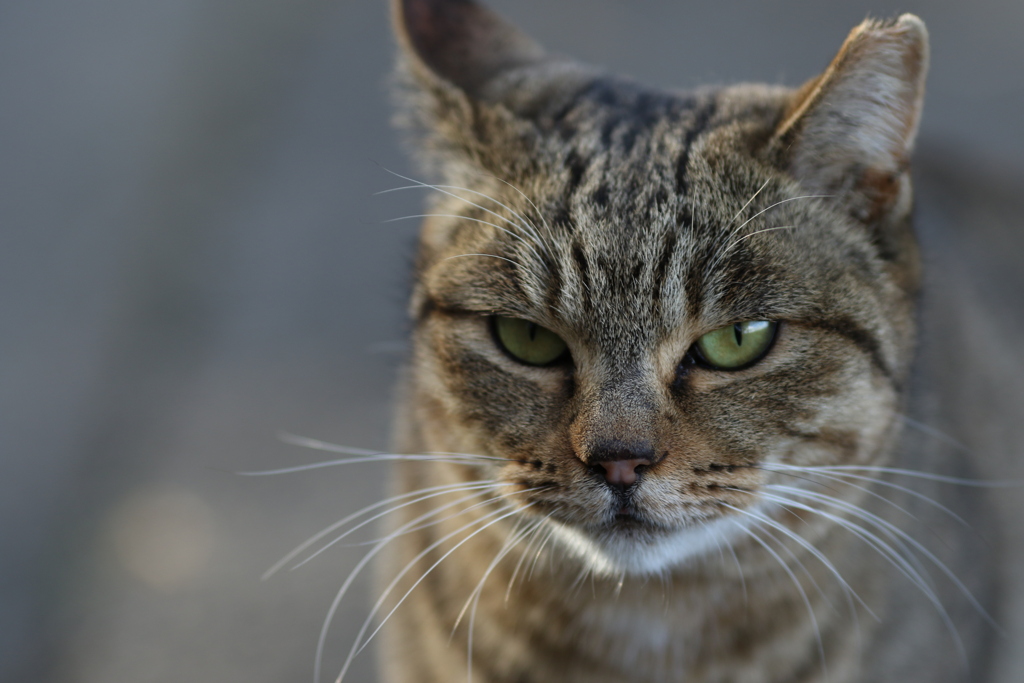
{"points": [[638, 550]]}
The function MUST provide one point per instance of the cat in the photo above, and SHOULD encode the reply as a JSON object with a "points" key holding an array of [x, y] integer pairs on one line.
{"points": [[656, 414]]}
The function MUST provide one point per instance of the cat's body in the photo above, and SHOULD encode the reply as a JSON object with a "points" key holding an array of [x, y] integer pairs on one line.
{"points": [[651, 513]]}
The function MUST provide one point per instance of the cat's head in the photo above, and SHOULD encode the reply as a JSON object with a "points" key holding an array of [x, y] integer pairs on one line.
{"points": [[650, 302]]}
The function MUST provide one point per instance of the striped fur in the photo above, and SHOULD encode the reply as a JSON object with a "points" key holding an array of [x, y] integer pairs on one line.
{"points": [[631, 221]]}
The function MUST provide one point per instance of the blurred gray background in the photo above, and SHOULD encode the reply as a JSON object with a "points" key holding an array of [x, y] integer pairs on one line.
{"points": [[192, 261]]}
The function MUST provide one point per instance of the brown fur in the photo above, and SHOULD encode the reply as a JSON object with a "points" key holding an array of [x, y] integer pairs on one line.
{"points": [[631, 221]]}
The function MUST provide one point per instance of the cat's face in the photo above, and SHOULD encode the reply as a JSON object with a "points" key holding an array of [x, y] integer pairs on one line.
{"points": [[647, 304]]}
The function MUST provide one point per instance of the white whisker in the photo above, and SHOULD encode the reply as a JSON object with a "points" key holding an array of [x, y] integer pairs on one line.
{"points": [[809, 547], [337, 539], [842, 476], [543, 219], [800, 589], [358, 646], [899, 561], [848, 590], [514, 263], [444, 189], [540, 552], [431, 491], [981, 483], [435, 522], [756, 232], [318, 445], [514, 537], [932, 432], [749, 201], [472, 220], [380, 457], [527, 551], [514, 540], [729, 240], [880, 523], [739, 568], [332, 610], [779, 203]]}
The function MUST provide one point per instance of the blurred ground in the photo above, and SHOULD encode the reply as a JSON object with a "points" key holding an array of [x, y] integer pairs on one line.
{"points": [[192, 261]]}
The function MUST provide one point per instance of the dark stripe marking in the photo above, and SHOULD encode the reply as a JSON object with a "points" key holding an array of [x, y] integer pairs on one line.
{"points": [[700, 123], [861, 338], [583, 269], [668, 250]]}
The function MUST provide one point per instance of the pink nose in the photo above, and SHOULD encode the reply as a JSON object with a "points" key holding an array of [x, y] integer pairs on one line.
{"points": [[622, 472]]}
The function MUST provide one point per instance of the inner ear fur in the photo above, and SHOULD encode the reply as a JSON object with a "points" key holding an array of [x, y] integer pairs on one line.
{"points": [[850, 131]]}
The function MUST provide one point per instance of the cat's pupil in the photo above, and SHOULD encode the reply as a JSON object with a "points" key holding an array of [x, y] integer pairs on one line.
{"points": [[738, 332], [532, 331]]}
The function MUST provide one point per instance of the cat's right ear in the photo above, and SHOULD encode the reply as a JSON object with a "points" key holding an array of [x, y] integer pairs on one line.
{"points": [[467, 79], [460, 44]]}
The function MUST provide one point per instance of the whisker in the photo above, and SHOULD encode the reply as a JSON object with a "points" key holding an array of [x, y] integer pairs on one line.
{"points": [[800, 589], [932, 432], [514, 263], [780, 203], [540, 552], [880, 523], [981, 483], [735, 231], [901, 563], [756, 232], [444, 189], [752, 198], [515, 536], [618, 585], [381, 457], [432, 491], [841, 476], [347, 533], [784, 469], [580, 579], [316, 444], [476, 598], [540, 213], [739, 567], [809, 547], [427, 525], [332, 610], [472, 220], [356, 647], [535, 534]]}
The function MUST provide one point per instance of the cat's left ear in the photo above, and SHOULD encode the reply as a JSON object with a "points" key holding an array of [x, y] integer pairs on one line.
{"points": [[849, 132]]}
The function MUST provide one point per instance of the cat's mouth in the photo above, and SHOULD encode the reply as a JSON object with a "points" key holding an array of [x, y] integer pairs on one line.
{"points": [[627, 514], [635, 541]]}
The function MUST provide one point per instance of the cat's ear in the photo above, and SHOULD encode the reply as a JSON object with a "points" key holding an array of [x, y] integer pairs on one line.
{"points": [[850, 131], [471, 85], [460, 43]]}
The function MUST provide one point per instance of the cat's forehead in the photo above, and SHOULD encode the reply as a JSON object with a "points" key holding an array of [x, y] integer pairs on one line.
{"points": [[641, 212], [651, 192], [623, 162]]}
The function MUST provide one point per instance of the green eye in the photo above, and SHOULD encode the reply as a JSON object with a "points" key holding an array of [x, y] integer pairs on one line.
{"points": [[528, 342], [737, 346]]}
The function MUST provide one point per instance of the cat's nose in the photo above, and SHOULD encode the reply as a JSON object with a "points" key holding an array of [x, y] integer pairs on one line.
{"points": [[620, 462]]}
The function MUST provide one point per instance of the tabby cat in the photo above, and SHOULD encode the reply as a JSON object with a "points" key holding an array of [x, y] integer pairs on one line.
{"points": [[657, 403]]}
